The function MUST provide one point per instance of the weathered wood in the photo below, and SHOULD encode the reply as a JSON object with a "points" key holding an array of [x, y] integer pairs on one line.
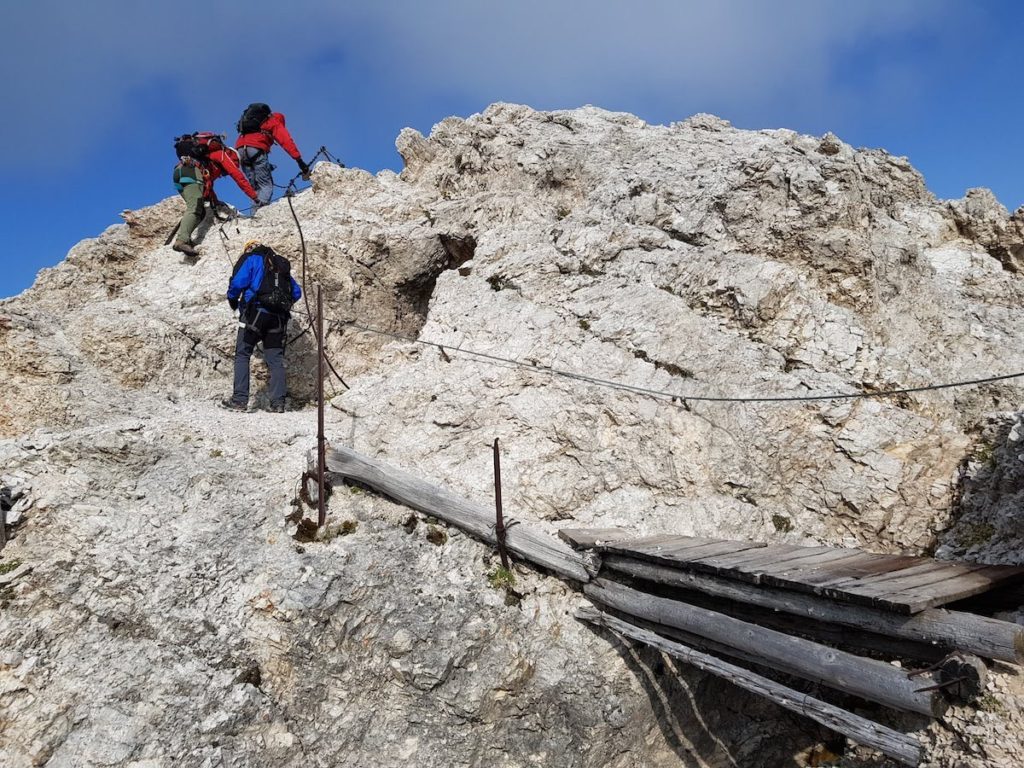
{"points": [[867, 678], [530, 544], [590, 538], [815, 557], [746, 565], [667, 552], [890, 742], [855, 640], [989, 638], [914, 593], [806, 573], [963, 676]]}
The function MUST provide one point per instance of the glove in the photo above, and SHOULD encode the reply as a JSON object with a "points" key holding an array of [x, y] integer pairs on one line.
{"points": [[233, 303], [256, 203], [303, 169]]}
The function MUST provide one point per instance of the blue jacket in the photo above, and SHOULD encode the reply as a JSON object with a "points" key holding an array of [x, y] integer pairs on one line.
{"points": [[246, 281]]}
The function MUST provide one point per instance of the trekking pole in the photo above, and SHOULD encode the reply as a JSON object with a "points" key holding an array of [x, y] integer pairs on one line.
{"points": [[321, 449], [173, 233]]}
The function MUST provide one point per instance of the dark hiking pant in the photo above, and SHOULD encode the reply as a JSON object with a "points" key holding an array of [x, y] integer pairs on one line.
{"points": [[257, 326], [257, 169]]}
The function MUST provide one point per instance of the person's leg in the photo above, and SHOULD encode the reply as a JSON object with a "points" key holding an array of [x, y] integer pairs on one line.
{"points": [[245, 343], [273, 353], [193, 196], [257, 168]]}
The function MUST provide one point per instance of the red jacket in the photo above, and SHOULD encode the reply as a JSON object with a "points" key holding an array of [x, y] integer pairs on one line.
{"points": [[225, 161], [270, 131]]}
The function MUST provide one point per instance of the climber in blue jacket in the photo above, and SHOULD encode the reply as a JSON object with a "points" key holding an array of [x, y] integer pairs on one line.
{"points": [[263, 291]]}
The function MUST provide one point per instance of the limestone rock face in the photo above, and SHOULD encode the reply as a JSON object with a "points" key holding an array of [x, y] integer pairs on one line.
{"points": [[169, 619]]}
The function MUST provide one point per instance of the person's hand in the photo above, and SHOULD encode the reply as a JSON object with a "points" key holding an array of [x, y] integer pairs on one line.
{"points": [[233, 303], [303, 169], [256, 204]]}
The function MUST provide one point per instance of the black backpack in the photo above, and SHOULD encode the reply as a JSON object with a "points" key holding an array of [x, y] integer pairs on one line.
{"points": [[252, 118], [198, 145], [275, 291], [187, 146]]}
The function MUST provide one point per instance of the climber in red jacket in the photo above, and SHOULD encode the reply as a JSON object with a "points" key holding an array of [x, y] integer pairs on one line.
{"points": [[259, 129], [202, 158]]}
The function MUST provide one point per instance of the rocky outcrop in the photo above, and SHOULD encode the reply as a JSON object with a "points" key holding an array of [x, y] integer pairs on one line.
{"points": [[169, 618]]}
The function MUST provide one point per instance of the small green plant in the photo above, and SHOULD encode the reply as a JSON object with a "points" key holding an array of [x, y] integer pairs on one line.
{"points": [[986, 454], [9, 566], [974, 534], [216, 453], [344, 528], [584, 324], [990, 703], [782, 523], [501, 578]]}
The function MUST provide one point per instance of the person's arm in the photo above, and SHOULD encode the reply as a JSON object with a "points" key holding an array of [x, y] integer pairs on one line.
{"points": [[228, 164], [241, 280], [278, 131]]}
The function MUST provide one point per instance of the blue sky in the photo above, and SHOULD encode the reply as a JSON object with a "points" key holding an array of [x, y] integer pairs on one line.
{"points": [[94, 91]]}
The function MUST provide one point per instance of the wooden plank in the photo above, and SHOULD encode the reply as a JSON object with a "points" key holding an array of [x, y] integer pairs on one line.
{"points": [[842, 571], [802, 571], [685, 555], [923, 586], [663, 541], [657, 546], [677, 550], [528, 543], [990, 638], [814, 581], [923, 572], [867, 678], [962, 586], [590, 538], [897, 745], [745, 566], [795, 561]]}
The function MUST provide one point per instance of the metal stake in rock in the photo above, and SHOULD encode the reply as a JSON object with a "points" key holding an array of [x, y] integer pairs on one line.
{"points": [[320, 441], [499, 525]]}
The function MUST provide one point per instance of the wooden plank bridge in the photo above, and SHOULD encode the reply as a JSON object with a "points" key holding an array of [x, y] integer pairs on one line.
{"points": [[898, 583], [836, 617]]}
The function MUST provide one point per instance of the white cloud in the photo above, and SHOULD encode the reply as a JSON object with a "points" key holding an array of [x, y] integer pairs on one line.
{"points": [[80, 65]]}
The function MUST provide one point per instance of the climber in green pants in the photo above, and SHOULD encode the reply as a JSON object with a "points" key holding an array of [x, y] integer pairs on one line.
{"points": [[188, 180]]}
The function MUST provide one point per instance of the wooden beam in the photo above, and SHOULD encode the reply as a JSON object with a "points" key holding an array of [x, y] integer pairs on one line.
{"points": [[856, 640], [589, 538], [867, 678], [896, 745], [989, 638], [531, 545]]}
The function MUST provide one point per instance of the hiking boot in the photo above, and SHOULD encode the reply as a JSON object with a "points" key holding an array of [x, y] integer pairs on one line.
{"points": [[277, 406], [231, 405], [186, 248]]}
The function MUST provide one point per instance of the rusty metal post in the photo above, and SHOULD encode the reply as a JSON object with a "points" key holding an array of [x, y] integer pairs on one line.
{"points": [[321, 443], [499, 527]]}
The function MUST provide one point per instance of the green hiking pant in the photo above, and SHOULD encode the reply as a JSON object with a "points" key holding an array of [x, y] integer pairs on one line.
{"points": [[194, 211]]}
